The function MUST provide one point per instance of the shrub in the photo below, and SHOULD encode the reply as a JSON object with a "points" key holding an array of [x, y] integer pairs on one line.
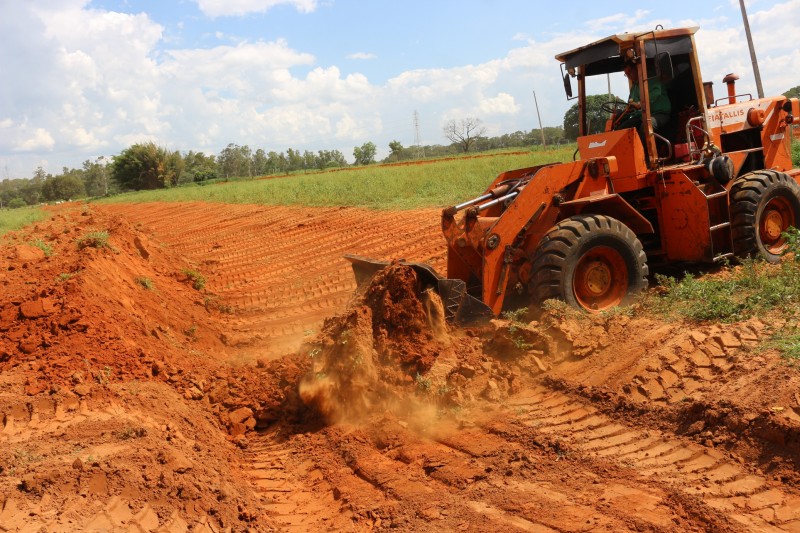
{"points": [[16, 203]]}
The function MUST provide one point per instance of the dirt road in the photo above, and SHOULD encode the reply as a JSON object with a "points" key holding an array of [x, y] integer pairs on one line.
{"points": [[205, 369]]}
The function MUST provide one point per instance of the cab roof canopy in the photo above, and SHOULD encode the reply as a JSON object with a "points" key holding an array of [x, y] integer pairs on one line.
{"points": [[603, 56]]}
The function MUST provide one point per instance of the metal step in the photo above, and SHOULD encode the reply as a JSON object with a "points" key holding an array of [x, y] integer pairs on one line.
{"points": [[720, 226], [715, 194], [722, 257]]}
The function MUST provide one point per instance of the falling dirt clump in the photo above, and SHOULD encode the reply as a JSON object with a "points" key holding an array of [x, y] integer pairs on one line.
{"points": [[407, 322], [391, 333]]}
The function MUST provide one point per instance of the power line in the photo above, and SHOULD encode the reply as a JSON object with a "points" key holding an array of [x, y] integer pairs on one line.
{"points": [[420, 150]]}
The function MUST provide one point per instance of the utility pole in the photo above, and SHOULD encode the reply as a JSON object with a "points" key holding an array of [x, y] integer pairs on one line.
{"points": [[756, 73], [420, 153], [536, 103]]}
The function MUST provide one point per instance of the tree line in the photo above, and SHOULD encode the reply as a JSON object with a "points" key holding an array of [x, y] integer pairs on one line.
{"points": [[149, 166]]}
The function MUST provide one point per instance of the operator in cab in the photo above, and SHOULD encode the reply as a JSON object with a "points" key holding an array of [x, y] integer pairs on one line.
{"points": [[660, 106]]}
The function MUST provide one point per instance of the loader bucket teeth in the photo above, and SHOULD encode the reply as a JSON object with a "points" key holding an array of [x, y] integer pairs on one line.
{"points": [[460, 307]]}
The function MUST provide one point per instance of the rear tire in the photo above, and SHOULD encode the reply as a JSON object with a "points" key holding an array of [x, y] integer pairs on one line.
{"points": [[764, 204], [592, 262]]}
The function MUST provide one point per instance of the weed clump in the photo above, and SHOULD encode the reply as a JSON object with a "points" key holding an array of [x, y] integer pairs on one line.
{"points": [[754, 287], [95, 239], [787, 342], [196, 278], [515, 324], [145, 283], [43, 246]]}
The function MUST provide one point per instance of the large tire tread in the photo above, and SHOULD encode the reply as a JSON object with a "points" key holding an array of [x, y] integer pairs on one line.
{"points": [[565, 243], [749, 193]]}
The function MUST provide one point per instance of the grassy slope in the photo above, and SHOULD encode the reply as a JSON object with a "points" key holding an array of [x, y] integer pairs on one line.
{"points": [[431, 183], [12, 219]]}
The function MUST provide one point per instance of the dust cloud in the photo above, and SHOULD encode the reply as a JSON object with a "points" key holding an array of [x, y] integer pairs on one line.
{"points": [[366, 360]]}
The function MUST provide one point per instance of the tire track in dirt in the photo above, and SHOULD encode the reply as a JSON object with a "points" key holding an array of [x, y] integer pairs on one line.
{"points": [[383, 474], [280, 269], [699, 472], [296, 497], [24, 424]]}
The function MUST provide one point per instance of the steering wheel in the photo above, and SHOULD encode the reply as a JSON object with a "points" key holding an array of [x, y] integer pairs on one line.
{"points": [[614, 107], [618, 109]]}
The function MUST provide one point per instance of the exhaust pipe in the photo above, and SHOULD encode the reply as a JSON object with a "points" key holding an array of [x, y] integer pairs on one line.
{"points": [[730, 80]]}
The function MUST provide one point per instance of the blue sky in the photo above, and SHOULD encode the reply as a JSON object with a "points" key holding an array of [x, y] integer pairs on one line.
{"points": [[88, 78]]}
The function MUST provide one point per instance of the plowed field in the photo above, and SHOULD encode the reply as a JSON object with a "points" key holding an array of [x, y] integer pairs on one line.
{"points": [[207, 367]]}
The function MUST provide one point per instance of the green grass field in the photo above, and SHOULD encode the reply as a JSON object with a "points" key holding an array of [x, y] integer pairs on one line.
{"points": [[428, 184], [12, 219]]}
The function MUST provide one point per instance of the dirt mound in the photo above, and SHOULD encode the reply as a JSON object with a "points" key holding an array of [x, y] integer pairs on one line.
{"points": [[106, 350], [98, 302]]}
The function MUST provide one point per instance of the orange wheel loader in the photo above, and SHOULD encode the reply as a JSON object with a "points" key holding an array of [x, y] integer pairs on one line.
{"points": [[713, 182]]}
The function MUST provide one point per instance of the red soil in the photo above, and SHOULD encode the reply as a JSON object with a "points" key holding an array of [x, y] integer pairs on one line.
{"points": [[133, 397]]}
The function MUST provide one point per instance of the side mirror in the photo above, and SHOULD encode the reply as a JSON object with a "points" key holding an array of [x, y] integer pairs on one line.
{"points": [[663, 63], [567, 86]]}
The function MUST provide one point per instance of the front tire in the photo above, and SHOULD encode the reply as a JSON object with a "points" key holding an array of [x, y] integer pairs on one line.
{"points": [[592, 262], [764, 204]]}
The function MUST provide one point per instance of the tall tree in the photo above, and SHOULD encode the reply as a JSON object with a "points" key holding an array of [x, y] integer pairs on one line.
{"points": [[39, 175], [260, 162], [276, 162], [294, 159], [199, 167], [395, 151], [595, 116], [365, 154], [794, 92], [464, 132], [309, 160], [234, 161], [147, 166], [67, 186], [95, 177]]}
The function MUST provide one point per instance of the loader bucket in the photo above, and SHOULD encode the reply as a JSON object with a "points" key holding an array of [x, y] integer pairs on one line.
{"points": [[460, 308]]}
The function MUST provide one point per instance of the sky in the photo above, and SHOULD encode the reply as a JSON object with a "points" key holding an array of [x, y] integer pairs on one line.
{"points": [[83, 79]]}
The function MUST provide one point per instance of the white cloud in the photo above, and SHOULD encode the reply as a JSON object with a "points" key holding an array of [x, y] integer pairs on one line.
{"points": [[39, 139], [617, 22], [502, 104], [227, 8], [362, 55], [88, 82]]}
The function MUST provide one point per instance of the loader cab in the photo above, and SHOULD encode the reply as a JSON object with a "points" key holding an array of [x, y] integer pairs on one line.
{"points": [[665, 61]]}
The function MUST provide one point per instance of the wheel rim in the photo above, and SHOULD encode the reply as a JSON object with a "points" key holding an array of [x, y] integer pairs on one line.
{"points": [[776, 218], [601, 279]]}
